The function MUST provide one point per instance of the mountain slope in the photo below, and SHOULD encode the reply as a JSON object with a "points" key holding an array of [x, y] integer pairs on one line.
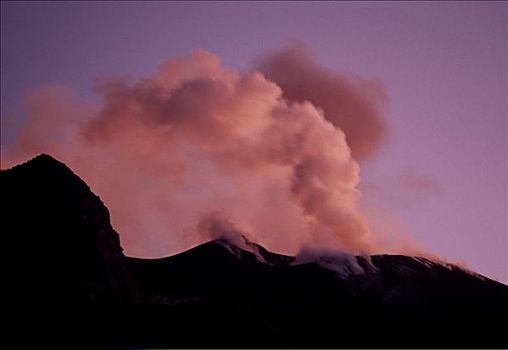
{"points": [[306, 304], [63, 257], [69, 284]]}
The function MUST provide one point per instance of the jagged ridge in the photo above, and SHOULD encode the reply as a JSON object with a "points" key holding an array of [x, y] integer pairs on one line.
{"points": [[68, 279]]}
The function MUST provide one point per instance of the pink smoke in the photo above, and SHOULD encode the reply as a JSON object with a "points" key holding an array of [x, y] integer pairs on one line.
{"points": [[271, 159], [350, 103]]}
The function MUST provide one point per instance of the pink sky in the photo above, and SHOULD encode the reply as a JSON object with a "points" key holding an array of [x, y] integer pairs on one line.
{"points": [[441, 177]]}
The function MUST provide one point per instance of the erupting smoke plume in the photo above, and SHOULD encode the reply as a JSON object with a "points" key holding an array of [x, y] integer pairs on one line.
{"points": [[198, 144], [350, 103]]}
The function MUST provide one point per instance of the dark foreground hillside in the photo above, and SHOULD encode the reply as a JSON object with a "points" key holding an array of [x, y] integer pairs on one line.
{"points": [[68, 284]]}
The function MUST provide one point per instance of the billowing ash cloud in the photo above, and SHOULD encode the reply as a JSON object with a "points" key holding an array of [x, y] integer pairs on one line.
{"points": [[350, 103], [166, 151]]}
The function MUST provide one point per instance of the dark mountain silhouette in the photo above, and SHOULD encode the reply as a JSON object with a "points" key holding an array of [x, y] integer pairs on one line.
{"points": [[69, 284], [395, 300], [63, 259]]}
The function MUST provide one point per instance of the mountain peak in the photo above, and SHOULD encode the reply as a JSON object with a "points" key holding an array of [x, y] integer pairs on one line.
{"points": [[62, 227], [42, 160], [45, 157]]}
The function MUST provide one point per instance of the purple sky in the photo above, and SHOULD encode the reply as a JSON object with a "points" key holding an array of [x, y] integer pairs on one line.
{"points": [[444, 66]]}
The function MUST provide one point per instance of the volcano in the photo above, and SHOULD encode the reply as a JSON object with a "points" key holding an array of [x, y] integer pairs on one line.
{"points": [[68, 283]]}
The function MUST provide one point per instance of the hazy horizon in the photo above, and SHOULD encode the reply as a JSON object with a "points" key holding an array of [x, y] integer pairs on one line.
{"points": [[408, 105]]}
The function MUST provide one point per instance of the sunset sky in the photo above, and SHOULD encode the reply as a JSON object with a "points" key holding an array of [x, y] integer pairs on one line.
{"points": [[437, 179]]}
